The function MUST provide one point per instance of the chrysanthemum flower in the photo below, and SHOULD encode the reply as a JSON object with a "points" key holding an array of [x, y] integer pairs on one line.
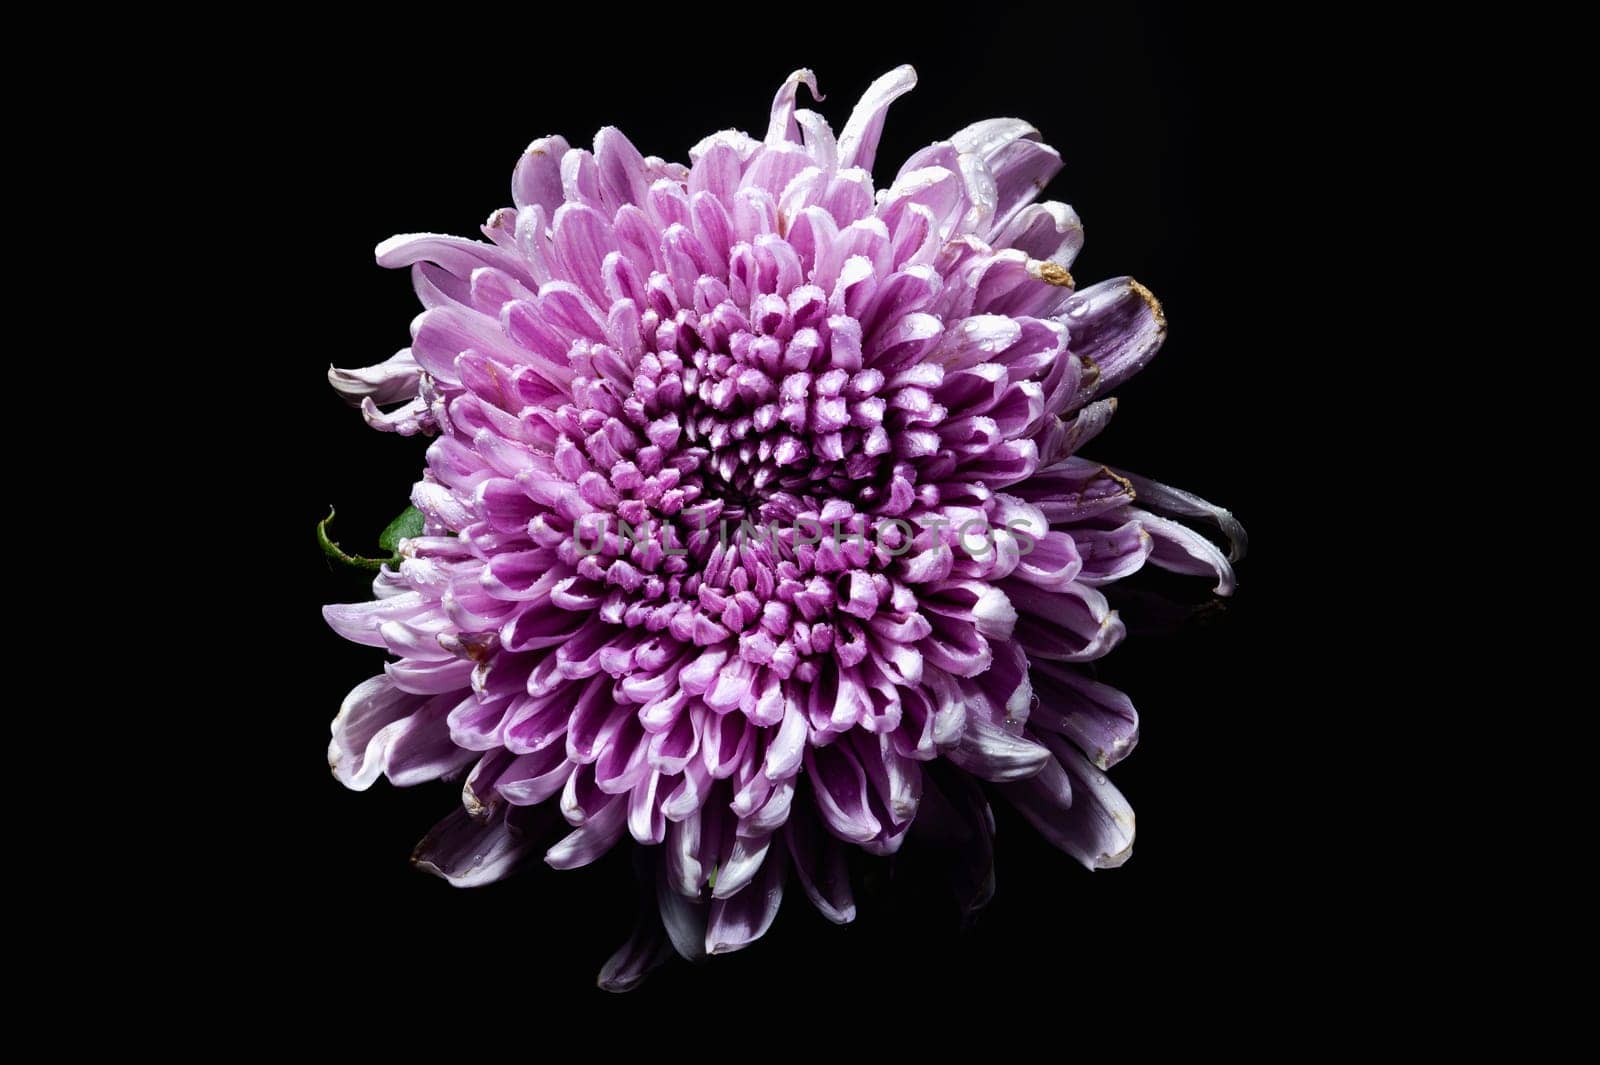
{"points": [[756, 492]]}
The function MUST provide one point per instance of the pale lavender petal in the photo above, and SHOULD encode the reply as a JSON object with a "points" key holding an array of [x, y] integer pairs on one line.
{"points": [[390, 381], [361, 622], [1097, 717], [372, 717], [993, 753], [683, 918], [1075, 807], [782, 126], [534, 777], [624, 176], [1047, 231], [598, 835], [1163, 499], [1182, 550], [425, 750], [537, 178], [455, 254], [1021, 170], [1075, 624], [1119, 325], [991, 135], [858, 141], [1109, 555], [737, 922], [744, 863]]}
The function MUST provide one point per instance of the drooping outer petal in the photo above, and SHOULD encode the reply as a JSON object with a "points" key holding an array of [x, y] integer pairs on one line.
{"points": [[819, 865], [737, 922], [1168, 500], [1097, 717], [467, 853], [1074, 806]]}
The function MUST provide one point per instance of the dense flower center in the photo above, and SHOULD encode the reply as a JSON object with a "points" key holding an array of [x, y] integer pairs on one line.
{"points": [[736, 482]]}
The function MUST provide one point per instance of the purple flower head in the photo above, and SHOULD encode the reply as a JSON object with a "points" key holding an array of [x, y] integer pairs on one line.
{"points": [[756, 490]]}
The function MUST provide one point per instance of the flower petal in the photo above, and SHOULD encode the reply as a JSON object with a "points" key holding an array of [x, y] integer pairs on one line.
{"points": [[1163, 499], [782, 125], [989, 751], [1119, 325], [819, 865], [1097, 717], [840, 788], [683, 918], [599, 834], [1075, 807], [737, 922], [858, 142], [646, 950], [537, 178], [468, 853]]}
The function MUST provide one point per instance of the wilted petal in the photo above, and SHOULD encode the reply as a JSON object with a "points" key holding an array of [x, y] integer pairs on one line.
{"points": [[647, 949], [1119, 325], [1073, 490], [468, 853]]}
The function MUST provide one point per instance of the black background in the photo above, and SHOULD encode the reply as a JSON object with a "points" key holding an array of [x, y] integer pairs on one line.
{"points": [[1176, 139]]}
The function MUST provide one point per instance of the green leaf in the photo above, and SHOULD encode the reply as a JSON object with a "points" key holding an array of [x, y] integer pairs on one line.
{"points": [[408, 524], [338, 554]]}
